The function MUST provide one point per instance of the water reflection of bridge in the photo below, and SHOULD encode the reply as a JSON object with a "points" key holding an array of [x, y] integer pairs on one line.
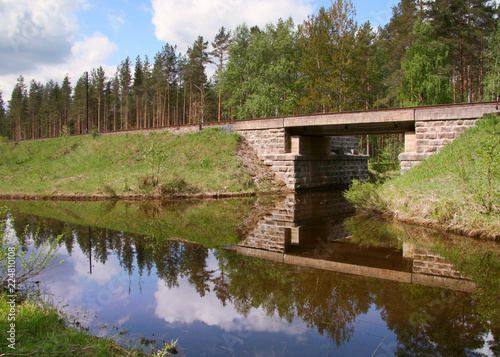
{"points": [[308, 229]]}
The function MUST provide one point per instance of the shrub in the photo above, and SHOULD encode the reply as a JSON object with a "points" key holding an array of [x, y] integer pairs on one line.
{"points": [[365, 198]]}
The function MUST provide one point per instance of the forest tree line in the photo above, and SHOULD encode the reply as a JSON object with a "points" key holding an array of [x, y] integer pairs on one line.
{"points": [[430, 52]]}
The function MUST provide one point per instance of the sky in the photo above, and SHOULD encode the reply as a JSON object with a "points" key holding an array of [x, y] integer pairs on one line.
{"points": [[47, 39]]}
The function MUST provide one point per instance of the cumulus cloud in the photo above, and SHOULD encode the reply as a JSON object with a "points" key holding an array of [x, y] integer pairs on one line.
{"points": [[93, 50], [37, 40], [83, 56], [34, 32], [180, 22]]}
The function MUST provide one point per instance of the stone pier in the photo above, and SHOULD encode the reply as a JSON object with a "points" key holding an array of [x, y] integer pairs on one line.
{"points": [[308, 162]]}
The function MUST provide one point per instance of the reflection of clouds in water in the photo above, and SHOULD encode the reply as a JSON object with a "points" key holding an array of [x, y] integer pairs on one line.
{"points": [[183, 305], [72, 283], [101, 273]]}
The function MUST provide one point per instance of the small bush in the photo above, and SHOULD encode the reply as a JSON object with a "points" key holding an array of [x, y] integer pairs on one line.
{"points": [[365, 197], [175, 186]]}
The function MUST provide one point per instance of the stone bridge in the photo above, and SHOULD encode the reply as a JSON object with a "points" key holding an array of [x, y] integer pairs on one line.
{"points": [[320, 151]]}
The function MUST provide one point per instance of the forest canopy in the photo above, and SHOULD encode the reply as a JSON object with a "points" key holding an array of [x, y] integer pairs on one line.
{"points": [[430, 52]]}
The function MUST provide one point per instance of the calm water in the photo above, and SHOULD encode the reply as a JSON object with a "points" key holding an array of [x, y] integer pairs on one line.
{"points": [[294, 277]]}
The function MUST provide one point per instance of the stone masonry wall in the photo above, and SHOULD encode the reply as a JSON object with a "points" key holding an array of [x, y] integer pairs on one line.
{"points": [[347, 144], [265, 142], [306, 171], [329, 171], [271, 232], [432, 136]]}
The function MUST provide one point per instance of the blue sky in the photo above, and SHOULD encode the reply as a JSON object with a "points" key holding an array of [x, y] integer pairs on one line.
{"points": [[47, 39]]}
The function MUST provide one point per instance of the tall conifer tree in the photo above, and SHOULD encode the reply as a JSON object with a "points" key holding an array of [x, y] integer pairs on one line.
{"points": [[220, 55]]}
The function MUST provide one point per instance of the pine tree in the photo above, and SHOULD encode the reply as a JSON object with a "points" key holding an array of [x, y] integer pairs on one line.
{"points": [[371, 67], [396, 37], [18, 110], [116, 101], [125, 77], [98, 83], [464, 26], [78, 110], [236, 73], [165, 72], [147, 86], [220, 55], [195, 79], [66, 91], [138, 89]]}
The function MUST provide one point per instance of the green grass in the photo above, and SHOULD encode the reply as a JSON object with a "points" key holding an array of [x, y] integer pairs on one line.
{"points": [[41, 330], [155, 163], [457, 189]]}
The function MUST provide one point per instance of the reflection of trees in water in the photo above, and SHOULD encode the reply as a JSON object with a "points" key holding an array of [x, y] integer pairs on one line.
{"points": [[427, 321], [432, 321]]}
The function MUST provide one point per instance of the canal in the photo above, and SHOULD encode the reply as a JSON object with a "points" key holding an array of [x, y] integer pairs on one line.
{"points": [[298, 275]]}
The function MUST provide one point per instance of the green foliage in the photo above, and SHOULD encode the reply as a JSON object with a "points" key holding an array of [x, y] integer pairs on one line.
{"points": [[94, 133], [261, 75], [27, 265], [169, 349], [365, 197], [479, 164], [65, 131], [44, 332], [387, 157], [330, 60], [492, 80], [426, 70], [156, 155]]}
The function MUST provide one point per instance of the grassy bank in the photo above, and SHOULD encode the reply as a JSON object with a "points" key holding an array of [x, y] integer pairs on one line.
{"points": [[153, 164], [457, 189]]}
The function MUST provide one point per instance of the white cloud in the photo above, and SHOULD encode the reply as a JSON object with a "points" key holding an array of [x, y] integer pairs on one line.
{"points": [[180, 22], [35, 31], [37, 40], [93, 50], [83, 56]]}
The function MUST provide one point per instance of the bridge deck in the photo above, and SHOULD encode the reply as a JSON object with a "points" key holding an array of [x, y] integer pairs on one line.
{"points": [[396, 120]]}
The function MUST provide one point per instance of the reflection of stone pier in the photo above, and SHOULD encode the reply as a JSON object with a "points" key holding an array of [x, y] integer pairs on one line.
{"points": [[308, 229], [300, 219]]}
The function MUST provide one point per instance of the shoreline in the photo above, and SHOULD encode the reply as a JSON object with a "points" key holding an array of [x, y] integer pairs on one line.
{"points": [[135, 197]]}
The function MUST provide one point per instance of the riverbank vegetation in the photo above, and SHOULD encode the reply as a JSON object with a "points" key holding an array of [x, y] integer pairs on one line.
{"points": [[154, 164], [29, 324], [42, 330], [457, 189], [427, 53]]}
